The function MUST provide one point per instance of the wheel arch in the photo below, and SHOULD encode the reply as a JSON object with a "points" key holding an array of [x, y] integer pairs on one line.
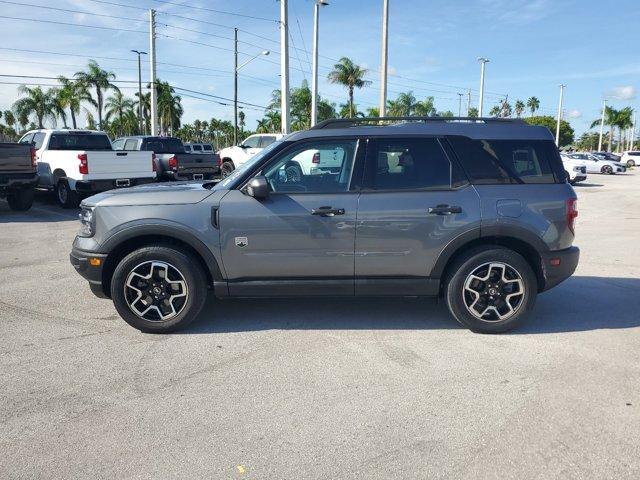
{"points": [[130, 239], [526, 244]]}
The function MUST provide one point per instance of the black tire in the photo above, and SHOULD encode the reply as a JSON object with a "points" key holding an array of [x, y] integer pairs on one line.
{"points": [[631, 163], [475, 260], [21, 199], [67, 198], [226, 169], [186, 266], [606, 169]]}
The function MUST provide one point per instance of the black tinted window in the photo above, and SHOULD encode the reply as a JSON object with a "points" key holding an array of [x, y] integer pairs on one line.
{"points": [[411, 163], [163, 145], [507, 161], [70, 141], [38, 140]]}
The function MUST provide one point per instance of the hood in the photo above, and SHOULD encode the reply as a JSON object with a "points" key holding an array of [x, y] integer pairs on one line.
{"points": [[174, 193]]}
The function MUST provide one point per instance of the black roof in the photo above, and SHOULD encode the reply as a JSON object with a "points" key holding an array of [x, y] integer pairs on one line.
{"points": [[478, 128]]}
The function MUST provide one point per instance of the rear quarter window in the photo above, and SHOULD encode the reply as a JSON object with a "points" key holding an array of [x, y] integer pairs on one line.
{"points": [[508, 161]]}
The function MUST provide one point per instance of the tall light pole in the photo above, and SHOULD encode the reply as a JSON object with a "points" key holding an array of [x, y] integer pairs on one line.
{"points": [[633, 132], [235, 85], [284, 67], [140, 122], [604, 107], [482, 61], [559, 115], [460, 104], [152, 59], [314, 73], [385, 55], [468, 102]]}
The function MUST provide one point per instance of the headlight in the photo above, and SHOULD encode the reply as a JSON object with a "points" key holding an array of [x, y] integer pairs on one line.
{"points": [[87, 227]]}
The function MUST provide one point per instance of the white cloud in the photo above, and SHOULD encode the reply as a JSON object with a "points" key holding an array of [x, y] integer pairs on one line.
{"points": [[575, 113], [626, 92]]}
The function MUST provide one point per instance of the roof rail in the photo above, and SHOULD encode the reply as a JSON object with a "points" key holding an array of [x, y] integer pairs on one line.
{"points": [[382, 121]]}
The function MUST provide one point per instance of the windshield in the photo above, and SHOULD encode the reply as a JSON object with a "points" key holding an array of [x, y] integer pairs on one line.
{"points": [[238, 172]]}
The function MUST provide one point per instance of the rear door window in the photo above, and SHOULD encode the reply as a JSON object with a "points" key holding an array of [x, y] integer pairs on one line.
{"points": [[408, 164], [251, 142], [508, 161], [38, 140], [131, 144], [28, 138], [266, 140]]}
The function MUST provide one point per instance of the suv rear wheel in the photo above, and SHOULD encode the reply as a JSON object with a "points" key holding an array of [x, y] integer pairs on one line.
{"points": [[158, 289], [226, 169], [491, 289]]}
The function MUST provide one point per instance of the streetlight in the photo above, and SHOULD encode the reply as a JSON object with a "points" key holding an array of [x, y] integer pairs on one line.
{"points": [[235, 83], [460, 104], [604, 107], [314, 75], [559, 115], [382, 111], [482, 61], [139, 89]]}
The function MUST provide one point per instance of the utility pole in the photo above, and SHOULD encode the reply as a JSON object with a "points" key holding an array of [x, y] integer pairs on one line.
{"points": [[385, 55], [468, 102], [559, 115], [235, 86], [140, 120], [482, 61], [314, 68], [460, 104], [633, 132], [152, 59], [604, 107], [284, 67]]}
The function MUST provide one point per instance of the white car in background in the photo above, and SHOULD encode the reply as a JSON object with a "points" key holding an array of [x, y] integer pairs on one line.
{"points": [[597, 165], [631, 158], [576, 169], [233, 157]]}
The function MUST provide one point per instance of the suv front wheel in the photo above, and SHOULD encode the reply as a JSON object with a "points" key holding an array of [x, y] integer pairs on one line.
{"points": [[490, 289], [158, 289]]}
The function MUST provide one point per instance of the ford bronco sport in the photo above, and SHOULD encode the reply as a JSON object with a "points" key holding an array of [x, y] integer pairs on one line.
{"points": [[477, 211]]}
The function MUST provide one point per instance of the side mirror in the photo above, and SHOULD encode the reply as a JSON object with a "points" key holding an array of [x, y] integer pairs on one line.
{"points": [[258, 187]]}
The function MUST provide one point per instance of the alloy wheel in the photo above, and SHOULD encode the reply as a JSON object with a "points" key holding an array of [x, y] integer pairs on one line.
{"points": [[156, 291], [493, 292]]}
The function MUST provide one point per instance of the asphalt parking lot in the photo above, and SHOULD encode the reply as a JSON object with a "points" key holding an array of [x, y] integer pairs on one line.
{"points": [[367, 388]]}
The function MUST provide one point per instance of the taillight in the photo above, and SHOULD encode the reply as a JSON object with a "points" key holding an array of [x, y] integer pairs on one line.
{"points": [[83, 168], [153, 162], [572, 213], [34, 158], [173, 163], [219, 161], [316, 158]]}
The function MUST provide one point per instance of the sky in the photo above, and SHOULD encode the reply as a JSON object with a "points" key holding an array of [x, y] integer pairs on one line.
{"points": [[533, 46]]}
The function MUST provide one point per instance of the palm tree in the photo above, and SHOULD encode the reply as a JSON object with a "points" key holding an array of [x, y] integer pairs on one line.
{"points": [[71, 95], [403, 106], [59, 104], [169, 107], [495, 111], [117, 105], [146, 109], [99, 79], [610, 118], [473, 112], [623, 121], [519, 108], [425, 108], [346, 73], [10, 118], [534, 104], [35, 102]]}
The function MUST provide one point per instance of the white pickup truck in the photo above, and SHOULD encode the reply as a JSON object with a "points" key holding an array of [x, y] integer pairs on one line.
{"points": [[233, 157], [78, 163]]}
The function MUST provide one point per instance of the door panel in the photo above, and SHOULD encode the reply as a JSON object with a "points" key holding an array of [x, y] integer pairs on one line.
{"points": [[278, 239]]}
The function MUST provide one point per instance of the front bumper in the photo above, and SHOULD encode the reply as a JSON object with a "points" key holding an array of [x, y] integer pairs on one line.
{"points": [[82, 262], [567, 261], [97, 186]]}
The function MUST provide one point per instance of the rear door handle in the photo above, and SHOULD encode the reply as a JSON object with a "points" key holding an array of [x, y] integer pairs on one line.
{"points": [[444, 209], [327, 211]]}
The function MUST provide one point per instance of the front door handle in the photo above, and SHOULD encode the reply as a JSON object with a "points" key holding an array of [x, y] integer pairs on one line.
{"points": [[327, 211], [444, 209]]}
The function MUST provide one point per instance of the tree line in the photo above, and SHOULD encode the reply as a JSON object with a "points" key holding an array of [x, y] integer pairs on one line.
{"points": [[94, 90]]}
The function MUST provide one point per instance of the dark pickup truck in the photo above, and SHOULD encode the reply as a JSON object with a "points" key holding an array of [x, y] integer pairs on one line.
{"points": [[18, 175], [172, 162]]}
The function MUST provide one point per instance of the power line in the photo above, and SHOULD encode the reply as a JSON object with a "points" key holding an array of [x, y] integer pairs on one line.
{"points": [[222, 12], [217, 96], [73, 24], [55, 78], [21, 4]]}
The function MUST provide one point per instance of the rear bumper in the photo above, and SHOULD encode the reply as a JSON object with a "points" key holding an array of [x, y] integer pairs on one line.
{"points": [[567, 261], [92, 273], [96, 186], [9, 181], [195, 174]]}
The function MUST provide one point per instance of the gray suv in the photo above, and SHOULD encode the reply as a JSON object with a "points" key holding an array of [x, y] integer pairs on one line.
{"points": [[477, 211]]}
